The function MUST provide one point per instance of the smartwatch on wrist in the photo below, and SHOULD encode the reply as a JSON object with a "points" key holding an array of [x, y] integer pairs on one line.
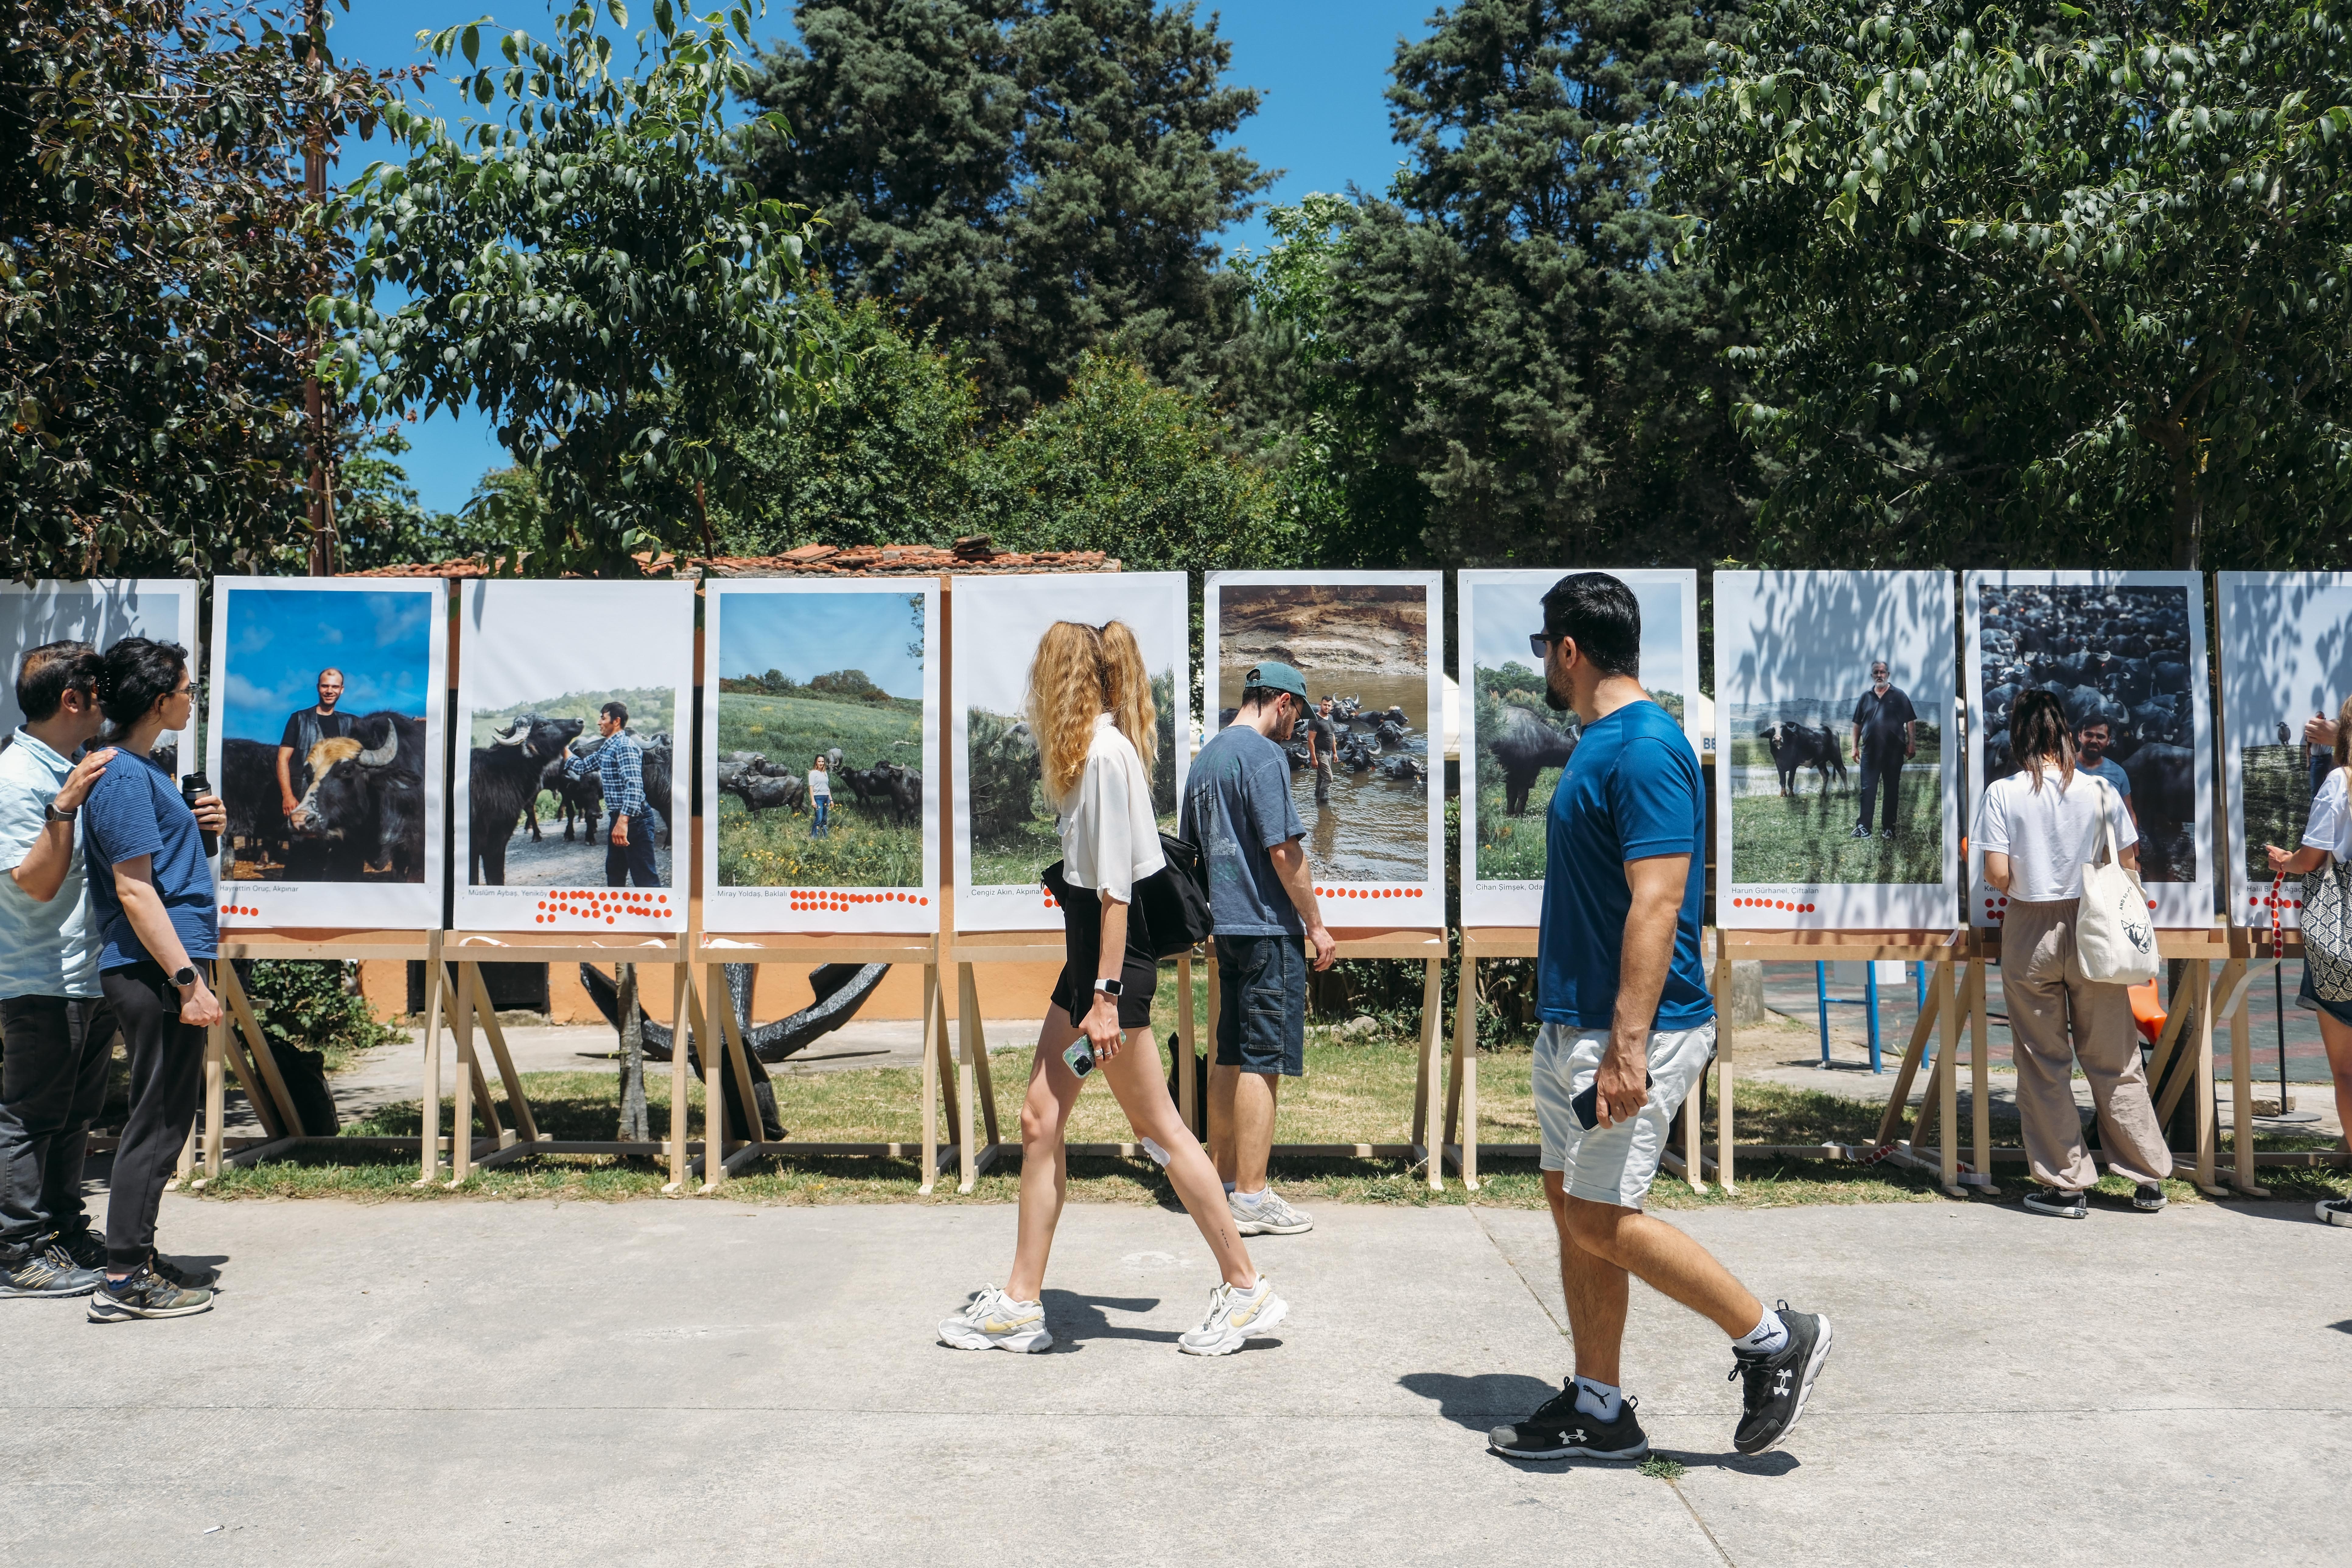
{"points": [[1108, 988], [184, 976], [52, 811]]}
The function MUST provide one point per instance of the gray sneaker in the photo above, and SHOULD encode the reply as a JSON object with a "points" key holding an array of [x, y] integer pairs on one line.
{"points": [[145, 1294], [1270, 1216], [44, 1271]]}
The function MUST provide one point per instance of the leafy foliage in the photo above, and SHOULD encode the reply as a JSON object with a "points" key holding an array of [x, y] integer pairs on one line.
{"points": [[155, 255], [306, 1006], [2053, 283], [1003, 777], [587, 272], [1030, 178]]}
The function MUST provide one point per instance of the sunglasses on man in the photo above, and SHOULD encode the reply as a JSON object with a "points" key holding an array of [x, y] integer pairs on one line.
{"points": [[1539, 642]]}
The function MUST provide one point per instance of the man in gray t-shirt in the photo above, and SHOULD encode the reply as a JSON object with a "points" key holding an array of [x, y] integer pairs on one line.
{"points": [[1237, 808]]}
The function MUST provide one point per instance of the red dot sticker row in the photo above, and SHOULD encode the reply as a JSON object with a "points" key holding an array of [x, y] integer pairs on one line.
{"points": [[2272, 903], [1346, 893], [611, 905], [1792, 905], [238, 909], [814, 899]]}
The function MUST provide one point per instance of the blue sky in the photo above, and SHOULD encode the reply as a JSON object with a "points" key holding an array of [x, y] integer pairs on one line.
{"points": [[1322, 66], [806, 635], [280, 638], [1506, 612]]}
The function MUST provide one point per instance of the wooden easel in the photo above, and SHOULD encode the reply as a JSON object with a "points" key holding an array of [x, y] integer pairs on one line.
{"points": [[710, 999]]}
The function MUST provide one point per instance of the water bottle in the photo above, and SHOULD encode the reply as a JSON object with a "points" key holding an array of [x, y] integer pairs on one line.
{"points": [[194, 788]]}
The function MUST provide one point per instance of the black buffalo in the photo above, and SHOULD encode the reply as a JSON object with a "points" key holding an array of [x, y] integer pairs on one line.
{"points": [[580, 798], [365, 805], [763, 792], [1796, 746], [1524, 748], [905, 787], [502, 784], [248, 788]]}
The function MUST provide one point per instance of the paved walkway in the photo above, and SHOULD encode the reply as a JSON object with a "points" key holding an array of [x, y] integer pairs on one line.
{"points": [[690, 1382]]}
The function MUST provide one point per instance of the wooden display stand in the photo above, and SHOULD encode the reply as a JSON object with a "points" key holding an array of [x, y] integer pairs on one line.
{"points": [[712, 999]]}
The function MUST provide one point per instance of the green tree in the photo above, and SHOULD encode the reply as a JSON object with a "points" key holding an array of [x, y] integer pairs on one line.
{"points": [[2049, 283], [1027, 177], [586, 272], [156, 252]]}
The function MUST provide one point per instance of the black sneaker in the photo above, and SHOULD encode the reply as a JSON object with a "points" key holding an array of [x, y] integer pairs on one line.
{"points": [[1887, 834], [2050, 1201], [2147, 1197], [145, 1294], [87, 1248], [1558, 1430], [41, 1271], [2333, 1211], [1774, 1387]]}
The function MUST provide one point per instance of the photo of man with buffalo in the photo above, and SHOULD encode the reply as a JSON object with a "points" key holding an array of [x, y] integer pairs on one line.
{"points": [[2118, 660], [321, 757]]}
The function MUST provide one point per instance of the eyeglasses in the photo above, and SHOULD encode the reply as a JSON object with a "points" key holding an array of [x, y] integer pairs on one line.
{"points": [[1540, 644]]}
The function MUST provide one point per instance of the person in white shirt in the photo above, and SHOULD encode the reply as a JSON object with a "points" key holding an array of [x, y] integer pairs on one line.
{"points": [[2037, 828], [1091, 709], [2327, 831], [820, 796]]}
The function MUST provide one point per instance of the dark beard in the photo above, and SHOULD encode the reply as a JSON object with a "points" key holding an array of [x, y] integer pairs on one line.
{"points": [[1554, 697]]}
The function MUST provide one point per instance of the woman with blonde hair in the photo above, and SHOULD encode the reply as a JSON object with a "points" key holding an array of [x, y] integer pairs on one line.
{"points": [[2037, 828], [2327, 832], [1091, 708]]}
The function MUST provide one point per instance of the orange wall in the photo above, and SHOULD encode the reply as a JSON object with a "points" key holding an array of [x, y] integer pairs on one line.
{"points": [[1006, 991]]}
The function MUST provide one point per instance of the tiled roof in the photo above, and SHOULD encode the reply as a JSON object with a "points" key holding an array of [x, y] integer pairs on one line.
{"points": [[426, 569], [968, 556]]}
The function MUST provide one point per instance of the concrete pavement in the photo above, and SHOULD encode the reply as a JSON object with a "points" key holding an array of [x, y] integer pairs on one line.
{"points": [[683, 1382]]}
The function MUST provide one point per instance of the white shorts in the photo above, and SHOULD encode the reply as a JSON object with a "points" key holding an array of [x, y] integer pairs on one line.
{"points": [[1613, 1164]]}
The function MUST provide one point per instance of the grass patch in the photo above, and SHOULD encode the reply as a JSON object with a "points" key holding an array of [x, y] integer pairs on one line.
{"points": [[1512, 848], [1657, 1467], [1805, 838], [774, 850]]}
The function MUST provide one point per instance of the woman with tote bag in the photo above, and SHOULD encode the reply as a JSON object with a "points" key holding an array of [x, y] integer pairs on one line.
{"points": [[1091, 710], [2038, 829], [2326, 849]]}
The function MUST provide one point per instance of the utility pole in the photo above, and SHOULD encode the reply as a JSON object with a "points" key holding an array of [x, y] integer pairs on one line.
{"points": [[314, 396]]}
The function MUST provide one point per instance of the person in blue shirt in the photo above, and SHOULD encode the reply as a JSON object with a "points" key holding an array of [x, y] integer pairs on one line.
{"points": [[1628, 1031], [620, 764], [155, 911]]}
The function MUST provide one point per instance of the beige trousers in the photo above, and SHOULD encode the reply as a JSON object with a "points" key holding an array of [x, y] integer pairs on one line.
{"points": [[2042, 976]]}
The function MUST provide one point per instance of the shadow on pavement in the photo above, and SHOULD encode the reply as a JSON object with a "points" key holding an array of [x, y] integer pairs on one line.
{"points": [[1479, 1402]]}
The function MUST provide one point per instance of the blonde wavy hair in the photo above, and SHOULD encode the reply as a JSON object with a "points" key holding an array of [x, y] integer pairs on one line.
{"points": [[1128, 686], [1066, 693]]}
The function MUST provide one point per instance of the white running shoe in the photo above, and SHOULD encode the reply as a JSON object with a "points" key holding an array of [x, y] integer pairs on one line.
{"points": [[1270, 1216], [995, 1321], [1234, 1318]]}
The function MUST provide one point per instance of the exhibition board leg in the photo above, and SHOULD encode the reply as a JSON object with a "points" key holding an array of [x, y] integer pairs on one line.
{"points": [[461, 1119], [1898, 1104], [215, 1098], [248, 1038], [1433, 1022], [680, 991], [1979, 1071], [1948, 1082], [436, 986], [1723, 1073], [230, 1051], [517, 1102], [2242, 1105], [969, 1043], [718, 1053], [1459, 1138], [738, 1051], [932, 1024]]}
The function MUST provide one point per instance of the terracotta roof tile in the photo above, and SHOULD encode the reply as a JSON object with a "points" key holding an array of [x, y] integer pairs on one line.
{"points": [[902, 560]]}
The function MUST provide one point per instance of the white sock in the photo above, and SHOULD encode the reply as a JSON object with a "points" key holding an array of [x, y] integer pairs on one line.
{"points": [[1251, 1200], [1767, 1336], [1257, 1289], [1602, 1401]]}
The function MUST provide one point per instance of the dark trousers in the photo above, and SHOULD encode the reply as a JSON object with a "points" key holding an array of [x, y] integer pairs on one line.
{"points": [[634, 860], [52, 1087], [1882, 769], [167, 1069]]}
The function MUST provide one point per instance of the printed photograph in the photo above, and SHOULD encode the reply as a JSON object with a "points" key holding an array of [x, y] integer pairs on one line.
{"points": [[323, 760], [2122, 661], [2287, 658], [1833, 693], [1518, 744], [820, 776], [100, 613], [1361, 762]]}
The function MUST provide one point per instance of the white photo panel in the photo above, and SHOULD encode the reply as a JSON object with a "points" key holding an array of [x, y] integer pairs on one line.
{"points": [[101, 612], [2125, 648], [1372, 641], [1514, 747], [1005, 834], [2286, 655], [537, 662], [327, 744], [848, 673]]}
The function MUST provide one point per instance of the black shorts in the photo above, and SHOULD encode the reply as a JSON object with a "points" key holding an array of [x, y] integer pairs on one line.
{"points": [[2306, 997], [1139, 970], [1262, 1004]]}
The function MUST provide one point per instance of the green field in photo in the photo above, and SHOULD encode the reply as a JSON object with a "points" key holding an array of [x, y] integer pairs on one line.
{"points": [[862, 848], [1805, 839]]}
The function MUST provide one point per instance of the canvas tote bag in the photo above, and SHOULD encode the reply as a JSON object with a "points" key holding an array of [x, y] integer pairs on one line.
{"points": [[2115, 935], [2327, 929]]}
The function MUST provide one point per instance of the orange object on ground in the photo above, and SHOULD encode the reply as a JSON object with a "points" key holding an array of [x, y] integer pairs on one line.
{"points": [[2147, 1011]]}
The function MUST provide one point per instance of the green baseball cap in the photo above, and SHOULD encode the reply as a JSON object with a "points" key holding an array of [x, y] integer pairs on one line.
{"points": [[1275, 677]]}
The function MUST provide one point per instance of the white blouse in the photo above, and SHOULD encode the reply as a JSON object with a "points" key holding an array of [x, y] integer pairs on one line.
{"points": [[2329, 826], [1111, 839]]}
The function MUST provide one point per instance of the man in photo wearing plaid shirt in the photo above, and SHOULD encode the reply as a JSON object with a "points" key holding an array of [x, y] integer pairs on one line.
{"points": [[621, 773]]}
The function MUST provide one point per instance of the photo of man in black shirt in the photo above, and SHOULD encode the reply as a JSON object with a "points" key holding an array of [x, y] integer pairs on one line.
{"points": [[1883, 741], [305, 727], [1322, 748]]}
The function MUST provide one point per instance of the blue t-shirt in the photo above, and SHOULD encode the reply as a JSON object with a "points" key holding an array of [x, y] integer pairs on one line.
{"points": [[2113, 771], [1631, 791], [135, 809], [1237, 807]]}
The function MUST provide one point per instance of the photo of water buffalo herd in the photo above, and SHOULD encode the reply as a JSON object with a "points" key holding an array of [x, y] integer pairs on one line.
{"points": [[891, 791], [2116, 655], [518, 792]]}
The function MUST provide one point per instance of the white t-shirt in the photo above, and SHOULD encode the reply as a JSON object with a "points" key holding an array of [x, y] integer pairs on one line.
{"points": [[1111, 839], [820, 785], [2329, 826], [2050, 834]]}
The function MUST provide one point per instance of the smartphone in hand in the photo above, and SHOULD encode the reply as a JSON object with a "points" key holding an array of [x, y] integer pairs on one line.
{"points": [[1586, 1107], [1080, 1055]]}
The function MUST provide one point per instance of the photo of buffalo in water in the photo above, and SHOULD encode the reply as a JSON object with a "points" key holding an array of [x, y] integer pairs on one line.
{"points": [[323, 761], [2119, 659]]}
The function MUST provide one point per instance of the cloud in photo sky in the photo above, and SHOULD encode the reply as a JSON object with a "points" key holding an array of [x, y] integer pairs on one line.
{"points": [[806, 635], [1504, 613], [280, 638]]}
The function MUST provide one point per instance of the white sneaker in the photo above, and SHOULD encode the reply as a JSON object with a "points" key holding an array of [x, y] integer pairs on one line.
{"points": [[2334, 1211], [1235, 1318], [1270, 1216], [995, 1321]]}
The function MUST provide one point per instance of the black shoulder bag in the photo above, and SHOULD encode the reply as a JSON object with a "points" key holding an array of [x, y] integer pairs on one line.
{"points": [[1172, 900]]}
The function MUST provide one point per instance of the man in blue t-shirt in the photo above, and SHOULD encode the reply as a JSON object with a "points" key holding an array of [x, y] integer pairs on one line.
{"points": [[1628, 1031], [1237, 808]]}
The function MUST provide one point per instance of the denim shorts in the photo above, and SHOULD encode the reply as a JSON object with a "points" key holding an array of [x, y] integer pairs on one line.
{"points": [[1262, 1004]]}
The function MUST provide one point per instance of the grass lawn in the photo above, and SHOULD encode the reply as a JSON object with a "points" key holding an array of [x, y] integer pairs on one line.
{"points": [[1511, 849], [1805, 839]]}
